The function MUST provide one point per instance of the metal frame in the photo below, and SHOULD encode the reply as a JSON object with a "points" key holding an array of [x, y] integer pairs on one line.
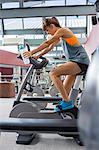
{"points": [[38, 31], [10, 1], [48, 11]]}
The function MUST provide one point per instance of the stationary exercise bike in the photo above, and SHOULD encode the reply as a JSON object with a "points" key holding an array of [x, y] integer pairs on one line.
{"points": [[27, 119], [29, 107]]}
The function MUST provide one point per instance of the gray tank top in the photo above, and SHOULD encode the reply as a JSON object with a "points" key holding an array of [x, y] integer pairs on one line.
{"points": [[77, 54]]}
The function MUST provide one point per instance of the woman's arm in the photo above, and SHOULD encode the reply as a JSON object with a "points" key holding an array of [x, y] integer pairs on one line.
{"points": [[46, 50], [46, 44], [56, 37]]}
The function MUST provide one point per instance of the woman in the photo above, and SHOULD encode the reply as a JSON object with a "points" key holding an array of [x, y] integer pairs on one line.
{"points": [[77, 60]]}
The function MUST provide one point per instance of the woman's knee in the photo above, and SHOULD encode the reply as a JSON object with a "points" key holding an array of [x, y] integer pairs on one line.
{"points": [[53, 73]]}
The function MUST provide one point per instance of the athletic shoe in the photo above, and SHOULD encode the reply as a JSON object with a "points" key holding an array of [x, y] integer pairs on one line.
{"points": [[64, 105]]}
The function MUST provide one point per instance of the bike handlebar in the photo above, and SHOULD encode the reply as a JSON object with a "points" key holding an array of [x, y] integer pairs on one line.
{"points": [[37, 64]]}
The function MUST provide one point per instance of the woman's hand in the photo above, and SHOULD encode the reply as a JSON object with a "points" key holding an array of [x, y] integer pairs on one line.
{"points": [[36, 57], [27, 54]]}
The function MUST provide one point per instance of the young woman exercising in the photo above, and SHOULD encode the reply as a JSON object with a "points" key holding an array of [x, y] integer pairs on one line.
{"points": [[77, 60]]}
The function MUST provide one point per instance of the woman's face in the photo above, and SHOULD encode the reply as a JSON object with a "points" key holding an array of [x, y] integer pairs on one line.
{"points": [[51, 29]]}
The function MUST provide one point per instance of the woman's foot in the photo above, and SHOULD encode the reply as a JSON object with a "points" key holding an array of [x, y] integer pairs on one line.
{"points": [[64, 105]]}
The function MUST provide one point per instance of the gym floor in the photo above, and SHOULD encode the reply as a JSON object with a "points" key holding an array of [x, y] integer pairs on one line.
{"points": [[42, 141]]}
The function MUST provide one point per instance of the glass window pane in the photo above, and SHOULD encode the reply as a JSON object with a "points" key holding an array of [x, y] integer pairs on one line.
{"points": [[55, 3], [10, 24], [33, 4], [77, 2], [10, 5], [61, 21], [44, 3], [73, 21], [32, 23]]}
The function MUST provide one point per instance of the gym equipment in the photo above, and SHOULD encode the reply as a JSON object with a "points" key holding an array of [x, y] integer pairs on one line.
{"points": [[32, 88], [29, 109], [28, 83], [60, 126], [20, 105], [53, 91], [28, 118]]}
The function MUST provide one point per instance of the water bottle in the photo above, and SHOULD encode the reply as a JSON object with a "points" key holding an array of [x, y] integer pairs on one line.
{"points": [[22, 49]]}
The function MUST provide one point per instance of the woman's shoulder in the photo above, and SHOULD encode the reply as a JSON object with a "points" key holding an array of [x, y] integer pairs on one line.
{"points": [[67, 29], [64, 29], [66, 32]]}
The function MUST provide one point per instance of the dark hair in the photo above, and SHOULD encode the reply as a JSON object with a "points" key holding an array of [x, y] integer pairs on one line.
{"points": [[48, 21]]}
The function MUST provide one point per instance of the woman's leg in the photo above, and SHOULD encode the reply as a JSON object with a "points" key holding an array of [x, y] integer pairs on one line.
{"points": [[69, 68], [68, 83]]}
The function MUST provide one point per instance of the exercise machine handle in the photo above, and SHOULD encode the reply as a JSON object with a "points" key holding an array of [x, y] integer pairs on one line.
{"points": [[38, 64]]}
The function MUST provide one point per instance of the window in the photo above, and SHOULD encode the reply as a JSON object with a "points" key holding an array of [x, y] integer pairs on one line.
{"points": [[32, 23], [77, 2], [10, 5], [10, 24], [74, 21]]}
